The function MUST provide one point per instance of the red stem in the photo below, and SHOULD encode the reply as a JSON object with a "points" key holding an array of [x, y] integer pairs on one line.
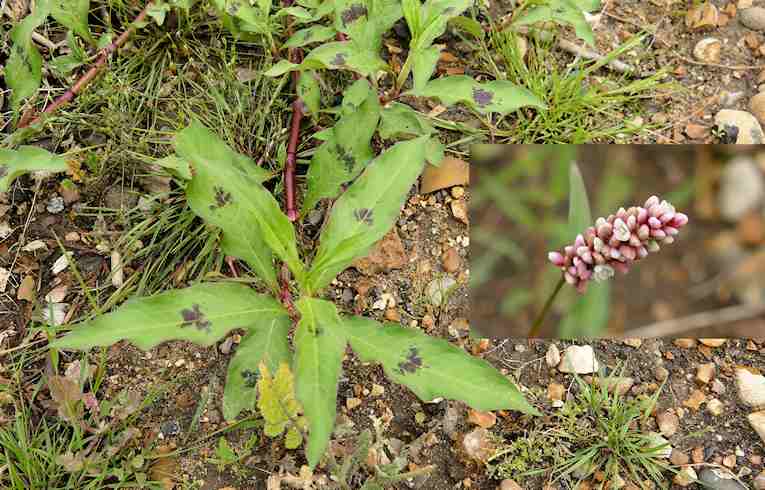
{"points": [[90, 74], [289, 165]]}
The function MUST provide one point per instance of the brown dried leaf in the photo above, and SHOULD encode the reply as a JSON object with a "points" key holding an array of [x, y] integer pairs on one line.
{"points": [[164, 468], [27, 289], [451, 172]]}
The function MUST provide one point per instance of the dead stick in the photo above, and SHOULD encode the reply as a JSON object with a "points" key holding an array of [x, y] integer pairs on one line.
{"points": [[90, 74], [700, 320]]}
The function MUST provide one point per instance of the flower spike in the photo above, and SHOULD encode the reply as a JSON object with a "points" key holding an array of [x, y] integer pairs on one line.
{"points": [[615, 243]]}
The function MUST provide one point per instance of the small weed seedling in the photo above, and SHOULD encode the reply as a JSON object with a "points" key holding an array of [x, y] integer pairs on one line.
{"points": [[226, 190], [598, 430]]}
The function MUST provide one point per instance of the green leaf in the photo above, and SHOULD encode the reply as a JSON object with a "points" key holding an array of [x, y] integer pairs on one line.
{"points": [[471, 26], [319, 350], [436, 14], [73, 14], [344, 55], [202, 314], [23, 70], [26, 159], [433, 368], [267, 342], [496, 96], [346, 153], [158, 11], [281, 67], [367, 209], [564, 12], [423, 63], [399, 120], [309, 92], [239, 15], [310, 35], [298, 12], [227, 189], [64, 65], [579, 215], [365, 21], [176, 166]]}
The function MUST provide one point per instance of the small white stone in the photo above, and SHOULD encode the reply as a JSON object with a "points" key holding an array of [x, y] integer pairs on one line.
{"points": [[751, 388], [552, 358], [579, 359]]}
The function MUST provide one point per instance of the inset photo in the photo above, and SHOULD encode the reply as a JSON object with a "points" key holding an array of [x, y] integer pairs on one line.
{"points": [[640, 241]]}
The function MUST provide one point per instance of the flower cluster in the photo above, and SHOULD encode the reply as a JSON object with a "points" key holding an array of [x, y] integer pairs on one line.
{"points": [[614, 243]]}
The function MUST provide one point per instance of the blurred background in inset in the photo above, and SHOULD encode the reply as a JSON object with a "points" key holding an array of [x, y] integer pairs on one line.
{"points": [[709, 283]]}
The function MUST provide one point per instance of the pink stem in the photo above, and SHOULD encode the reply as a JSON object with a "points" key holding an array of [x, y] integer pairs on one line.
{"points": [[90, 74]]}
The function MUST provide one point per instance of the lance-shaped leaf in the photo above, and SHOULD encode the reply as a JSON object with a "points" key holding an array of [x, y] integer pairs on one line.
{"points": [[496, 96], [433, 368], [436, 14], [367, 209], [73, 14], [310, 35], [423, 63], [589, 314], [399, 121], [563, 12], [346, 153], [26, 159], [266, 342], [365, 21], [338, 55], [319, 349], [23, 70], [226, 189], [202, 314], [309, 92]]}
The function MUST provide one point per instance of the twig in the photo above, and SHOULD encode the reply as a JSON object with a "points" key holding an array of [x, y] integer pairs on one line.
{"points": [[575, 49], [700, 320], [89, 75]]}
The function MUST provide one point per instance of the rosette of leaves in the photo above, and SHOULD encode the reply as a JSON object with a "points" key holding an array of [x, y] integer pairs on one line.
{"points": [[226, 189]]}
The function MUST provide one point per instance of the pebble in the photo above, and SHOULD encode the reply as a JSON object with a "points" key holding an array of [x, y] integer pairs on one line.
{"points": [[713, 342], [482, 419], [757, 421], [757, 106], [55, 205], [753, 18], [742, 188], [552, 358], [705, 372], [708, 50], [556, 391], [661, 373], [635, 342], [579, 359], [509, 485], [759, 482], [450, 260], [459, 210], [719, 479], [478, 444], [668, 423], [352, 403], [678, 457], [684, 343], [751, 388], [715, 407], [438, 288], [748, 128], [685, 476], [170, 428]]}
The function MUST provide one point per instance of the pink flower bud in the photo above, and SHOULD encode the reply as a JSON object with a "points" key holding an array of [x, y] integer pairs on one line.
{"points": [[556, 258]]}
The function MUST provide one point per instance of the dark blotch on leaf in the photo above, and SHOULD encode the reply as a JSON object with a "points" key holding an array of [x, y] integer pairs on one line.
{"points": [[195, 317], [250, 378], [482, 97], [3, 171], [413, 362], [346, 157], [364, 215], [338, 60], [221, 198], [352, 13]]}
